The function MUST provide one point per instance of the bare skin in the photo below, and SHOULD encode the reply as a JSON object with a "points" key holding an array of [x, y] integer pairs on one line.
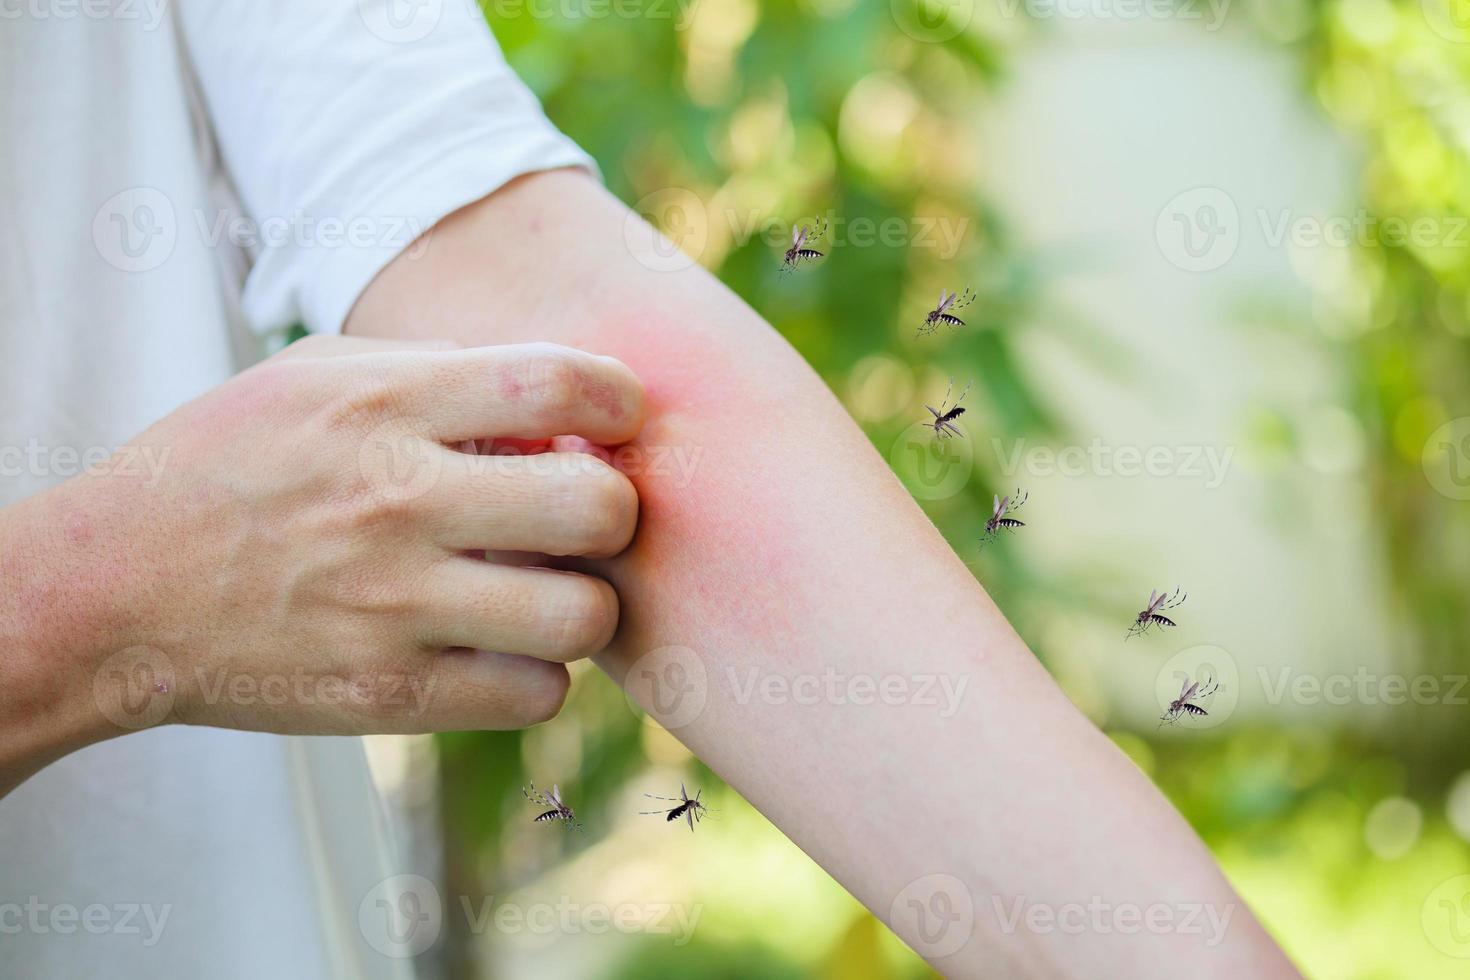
{"points": [[793, 554], [311, 537]]}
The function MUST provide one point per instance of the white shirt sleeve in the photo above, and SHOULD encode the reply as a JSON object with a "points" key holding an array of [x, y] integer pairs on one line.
{"points": [[348, 128]]}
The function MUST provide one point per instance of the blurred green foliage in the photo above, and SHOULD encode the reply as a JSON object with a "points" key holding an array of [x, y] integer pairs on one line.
{"points": [[770, 113]]}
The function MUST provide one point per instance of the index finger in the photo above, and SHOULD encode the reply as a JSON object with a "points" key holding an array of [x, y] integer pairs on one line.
{"points": [[528, 391]]}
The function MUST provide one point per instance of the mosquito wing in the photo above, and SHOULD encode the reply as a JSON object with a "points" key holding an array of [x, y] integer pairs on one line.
{"points": [[945, 299], [1187, 690], [1000, 508], [798, 236], [1154, 598]]}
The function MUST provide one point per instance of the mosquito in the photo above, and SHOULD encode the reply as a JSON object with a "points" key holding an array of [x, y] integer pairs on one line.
{"points": [[799, 249], [690, 809], [555, 808], [1189, 693], [1152, 615], [947, 301], [944, 416], [999, 521]]}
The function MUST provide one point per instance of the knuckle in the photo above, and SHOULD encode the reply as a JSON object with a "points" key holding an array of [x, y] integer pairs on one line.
{"points": [[545, 695], [603, 509], [584, 616], [554, 381]]}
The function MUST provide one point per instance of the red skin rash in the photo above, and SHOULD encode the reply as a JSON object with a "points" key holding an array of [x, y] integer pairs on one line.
{"points": [[727, 531]]}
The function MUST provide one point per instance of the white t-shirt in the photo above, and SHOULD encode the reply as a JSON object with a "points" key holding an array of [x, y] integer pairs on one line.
{"points": [[176, 183]]}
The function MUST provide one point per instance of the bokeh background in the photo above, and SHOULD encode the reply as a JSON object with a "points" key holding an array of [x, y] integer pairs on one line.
{"points": [[1225, 237]]}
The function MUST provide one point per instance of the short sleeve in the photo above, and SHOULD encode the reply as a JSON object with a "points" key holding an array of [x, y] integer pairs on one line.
{"points": [[349, 128]]}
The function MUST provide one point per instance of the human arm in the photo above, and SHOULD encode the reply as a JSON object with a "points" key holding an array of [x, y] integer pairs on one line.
{"points": [[793, 551]]}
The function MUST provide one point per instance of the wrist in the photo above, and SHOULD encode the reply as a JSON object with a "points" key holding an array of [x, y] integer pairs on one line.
{"points": [[61, 626]]}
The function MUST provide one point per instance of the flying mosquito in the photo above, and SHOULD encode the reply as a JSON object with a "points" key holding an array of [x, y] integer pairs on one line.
{"points": [[999, 521], [938, 315], [1153, 615], [944, 416], [555, 808], [799, 249], [690, 809], [1184, 704]]}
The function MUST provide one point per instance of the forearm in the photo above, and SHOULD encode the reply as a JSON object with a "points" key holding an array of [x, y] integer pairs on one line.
{"points": [[793, 553], [56, 629]]}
